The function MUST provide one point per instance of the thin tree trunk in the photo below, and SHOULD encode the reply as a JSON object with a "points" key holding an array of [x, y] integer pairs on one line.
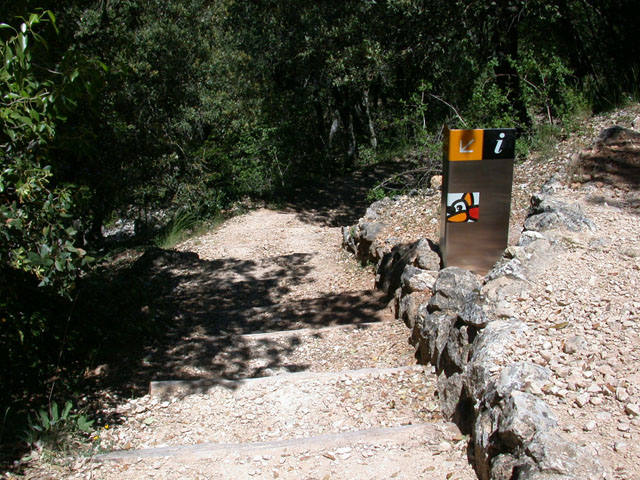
{"points": [[372, 130]]}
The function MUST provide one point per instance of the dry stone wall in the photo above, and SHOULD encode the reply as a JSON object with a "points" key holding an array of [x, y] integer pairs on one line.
{"points": [[463, 325]]}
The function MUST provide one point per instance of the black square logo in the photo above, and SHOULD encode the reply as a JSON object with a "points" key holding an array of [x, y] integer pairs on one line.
{"points": [[499, 143]]}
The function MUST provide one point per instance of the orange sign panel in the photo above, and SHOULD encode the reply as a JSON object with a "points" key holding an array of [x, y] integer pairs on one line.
{"points": [[465, 145]]}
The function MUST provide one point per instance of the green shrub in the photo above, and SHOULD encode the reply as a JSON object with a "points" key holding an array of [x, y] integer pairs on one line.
{"points": [[55, 429]]}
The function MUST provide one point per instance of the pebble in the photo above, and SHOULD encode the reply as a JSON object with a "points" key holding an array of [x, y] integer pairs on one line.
{"points": [[620, 446], [603, 416], [583, 399], [623, 427], [594, 388], [546, 355], [632, 409], [589, 426], [621, 394], [574, 344], [596, 401]]}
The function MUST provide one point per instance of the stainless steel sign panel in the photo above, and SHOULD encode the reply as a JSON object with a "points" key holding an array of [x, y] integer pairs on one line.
{"points": [[476, 197]]}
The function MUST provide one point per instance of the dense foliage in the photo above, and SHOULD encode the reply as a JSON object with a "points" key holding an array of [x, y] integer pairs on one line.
{"points": [[134, 107]]}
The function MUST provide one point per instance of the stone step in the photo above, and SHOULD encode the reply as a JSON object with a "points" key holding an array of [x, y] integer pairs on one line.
{"points": [[277, 407], [239, 312], [424, 450], [342, 347], [166, 389]]}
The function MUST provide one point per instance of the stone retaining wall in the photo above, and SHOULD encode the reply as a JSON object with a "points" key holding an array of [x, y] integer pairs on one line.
{"points": [[462, 325]]}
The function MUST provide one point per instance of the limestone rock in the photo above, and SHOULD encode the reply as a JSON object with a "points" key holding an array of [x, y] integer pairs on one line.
{"points": [[523, 376], [409, 306], [502, 287], [528, 237], [474, 312], [456, 353], [452, 287], [522, 417], [553, 454], [505, 465], [509, 268], [548, 213], [417, 280], [370, 231], [449, 393], [483, 437], [434, 334], [427, 257], [350, 238], [487, 351]]}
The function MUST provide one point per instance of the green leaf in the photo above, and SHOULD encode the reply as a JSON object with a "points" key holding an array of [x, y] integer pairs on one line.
{"points": [[66, 410], [84, 424], [44, 420], [54, 412]]}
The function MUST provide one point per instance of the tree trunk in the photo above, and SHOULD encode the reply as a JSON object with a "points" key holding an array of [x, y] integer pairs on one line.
{"points": [[372, 131]]}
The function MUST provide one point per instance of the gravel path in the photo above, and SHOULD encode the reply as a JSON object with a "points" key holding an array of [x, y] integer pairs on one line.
{"points": [[308, 373]]}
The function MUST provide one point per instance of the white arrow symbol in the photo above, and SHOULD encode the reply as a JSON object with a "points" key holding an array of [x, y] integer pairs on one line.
{"points": [[465, 148]]}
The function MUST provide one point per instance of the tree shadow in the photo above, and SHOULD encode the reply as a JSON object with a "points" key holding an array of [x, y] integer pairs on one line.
{"points": [[614, 160], [194, 317], [345, 199]]}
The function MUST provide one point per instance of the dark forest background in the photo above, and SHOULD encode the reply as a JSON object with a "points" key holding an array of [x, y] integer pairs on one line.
{"points": [[125, 108]]}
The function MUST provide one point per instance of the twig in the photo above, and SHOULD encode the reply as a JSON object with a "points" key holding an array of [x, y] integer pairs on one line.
{"points": [[451, 107]]}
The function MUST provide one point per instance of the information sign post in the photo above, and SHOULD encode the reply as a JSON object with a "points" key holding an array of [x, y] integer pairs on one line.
{"points": [[476, 197]]}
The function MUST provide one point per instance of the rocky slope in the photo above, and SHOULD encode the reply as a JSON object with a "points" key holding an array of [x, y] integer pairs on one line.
{"points": [[561, 306]]}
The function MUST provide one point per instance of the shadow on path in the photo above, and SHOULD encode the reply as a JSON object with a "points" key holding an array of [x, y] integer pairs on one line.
{"points": [[199, 310], [343, 201]]}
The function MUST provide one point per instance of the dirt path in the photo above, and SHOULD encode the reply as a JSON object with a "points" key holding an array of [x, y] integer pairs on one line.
{"points": [[279, 360]]}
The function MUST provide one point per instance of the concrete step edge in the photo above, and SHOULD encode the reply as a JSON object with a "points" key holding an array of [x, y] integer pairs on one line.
{"points": [[299, 331], [178, 388], [404, 433]]}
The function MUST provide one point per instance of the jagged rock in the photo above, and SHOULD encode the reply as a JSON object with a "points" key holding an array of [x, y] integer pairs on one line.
{"points": [[547, 213], [528, 237], [449, 392], [436, 182], [487, 351], [370, 231], [409, 306], [393, 263], [617, 136], [507, 268], [350, 238], [523, 376], [505, 465], [391, 266], [522, 417], [553, 454], [435, 333], [452, 288], [427, 257], [502, 287], [484, 429], [474, 312], [456, 353], [373, 210], [417, 280]]}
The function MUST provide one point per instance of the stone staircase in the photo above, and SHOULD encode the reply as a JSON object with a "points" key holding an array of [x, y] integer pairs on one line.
{"points": [[358, 410]]}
